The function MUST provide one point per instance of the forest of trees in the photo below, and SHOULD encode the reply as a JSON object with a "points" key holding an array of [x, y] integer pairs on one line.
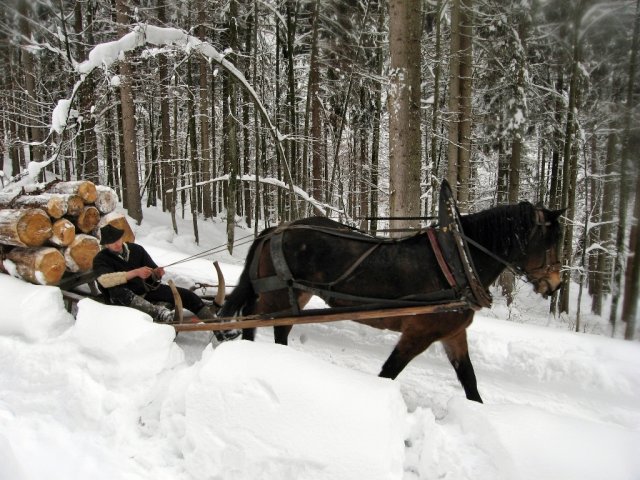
{"points": [[364, 105]]}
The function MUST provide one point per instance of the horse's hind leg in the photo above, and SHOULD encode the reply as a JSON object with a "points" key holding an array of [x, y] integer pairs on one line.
{"points": [[457, 351]]}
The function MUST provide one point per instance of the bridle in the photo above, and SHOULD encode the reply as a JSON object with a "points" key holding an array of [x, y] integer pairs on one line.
{"points": [[533, 276]]}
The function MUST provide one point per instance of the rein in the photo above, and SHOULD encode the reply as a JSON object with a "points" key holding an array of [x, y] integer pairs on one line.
{"points": [[217, 249]]}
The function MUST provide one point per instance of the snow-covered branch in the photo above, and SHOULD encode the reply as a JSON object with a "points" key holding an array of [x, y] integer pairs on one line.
{"points": [[319, 206]]}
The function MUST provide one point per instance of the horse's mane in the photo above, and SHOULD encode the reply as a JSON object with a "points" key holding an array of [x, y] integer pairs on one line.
{"points": [[504, 230]]}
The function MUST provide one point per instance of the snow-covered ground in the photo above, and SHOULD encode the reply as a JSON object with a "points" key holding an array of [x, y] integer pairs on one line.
{"points": [[111, 395]]}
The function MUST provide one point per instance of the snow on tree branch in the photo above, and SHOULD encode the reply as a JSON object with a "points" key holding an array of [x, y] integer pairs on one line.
{"points": [[321, 208], [106, 54]]}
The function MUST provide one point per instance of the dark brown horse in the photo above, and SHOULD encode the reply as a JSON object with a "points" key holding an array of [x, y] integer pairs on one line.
{"points": [[346, 268]]}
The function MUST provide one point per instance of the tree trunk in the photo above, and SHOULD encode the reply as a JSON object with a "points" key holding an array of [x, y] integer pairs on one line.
{"points": [[435, 120], [165, 123], [377, 115], [230, 137], [29, 68], [569, 170], [87, 142], [603, 266], [466, 113], [405, 28], [454, 98], [133, 201], [632, 277], [626, 168], [205, 149], [193, 157]]}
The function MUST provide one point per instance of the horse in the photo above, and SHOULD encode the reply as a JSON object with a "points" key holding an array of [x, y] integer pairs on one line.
{"points": [[350, 268]]}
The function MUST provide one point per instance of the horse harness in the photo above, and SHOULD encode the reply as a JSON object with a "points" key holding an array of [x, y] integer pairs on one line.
{"points": [[447, 243]]}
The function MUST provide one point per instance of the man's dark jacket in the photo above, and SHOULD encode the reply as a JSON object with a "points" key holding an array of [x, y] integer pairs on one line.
{"points": [[107, 261]]}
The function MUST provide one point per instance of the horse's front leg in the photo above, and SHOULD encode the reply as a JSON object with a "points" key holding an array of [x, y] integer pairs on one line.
{"points": [[281, 334], [457, 351], [412, 342]]}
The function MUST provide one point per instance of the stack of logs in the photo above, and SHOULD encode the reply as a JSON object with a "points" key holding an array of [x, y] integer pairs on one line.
{"points": [[47, 231]]}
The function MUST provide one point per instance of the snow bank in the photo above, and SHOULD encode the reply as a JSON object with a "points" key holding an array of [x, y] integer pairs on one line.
{"points": [[507, 442], [33, 312], [265, 411], [131, 346]]}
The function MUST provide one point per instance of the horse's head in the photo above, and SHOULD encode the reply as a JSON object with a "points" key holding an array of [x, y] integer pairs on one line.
{"points": [[540, 264]]}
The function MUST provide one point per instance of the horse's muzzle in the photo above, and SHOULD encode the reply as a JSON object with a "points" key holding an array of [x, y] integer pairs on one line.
{"points": [[547, 286]]}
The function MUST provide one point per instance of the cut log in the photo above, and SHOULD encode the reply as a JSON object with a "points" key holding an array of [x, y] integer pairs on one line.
{"points": [[55, 205], [75, 204], [24, 227], [39, 265], [117, 220], [83, 188], [88, 219], [107, 200], [79, 254], [64, 232]]}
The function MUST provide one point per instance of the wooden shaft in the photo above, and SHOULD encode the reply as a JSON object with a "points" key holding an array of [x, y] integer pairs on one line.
{"points": [[231, 323]]}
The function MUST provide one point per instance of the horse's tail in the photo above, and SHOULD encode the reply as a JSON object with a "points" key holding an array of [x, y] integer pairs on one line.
{"points": [[243, 294]]}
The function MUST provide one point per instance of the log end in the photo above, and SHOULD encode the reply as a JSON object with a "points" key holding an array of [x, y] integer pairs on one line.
{"points": [[34, 227], [87, 191], [88, 219], [64, 232], [79, 255]]}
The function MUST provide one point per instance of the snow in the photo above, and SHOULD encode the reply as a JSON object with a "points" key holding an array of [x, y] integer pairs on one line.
{"points": [[113, 395]]}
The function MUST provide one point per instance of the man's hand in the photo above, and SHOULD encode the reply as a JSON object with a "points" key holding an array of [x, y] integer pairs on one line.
{"points": [[142, 272], [158, 272]]}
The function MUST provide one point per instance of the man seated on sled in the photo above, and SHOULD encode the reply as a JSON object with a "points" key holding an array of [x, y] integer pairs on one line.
{"points": [[128, 276]]}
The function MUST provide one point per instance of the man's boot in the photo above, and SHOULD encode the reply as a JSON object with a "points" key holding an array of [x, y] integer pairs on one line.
{"points": [[159, 314], [222, 335]]}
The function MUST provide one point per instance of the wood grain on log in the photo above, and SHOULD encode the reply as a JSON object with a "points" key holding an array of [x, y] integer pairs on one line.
{"points": [[39, 265], [24, 227], [75, 205], [64, 232], [88, 219], [79, 254], [107, 200]]}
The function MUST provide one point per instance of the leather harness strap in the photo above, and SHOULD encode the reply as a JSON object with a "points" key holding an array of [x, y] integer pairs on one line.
{"points": [[437, 251]]}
